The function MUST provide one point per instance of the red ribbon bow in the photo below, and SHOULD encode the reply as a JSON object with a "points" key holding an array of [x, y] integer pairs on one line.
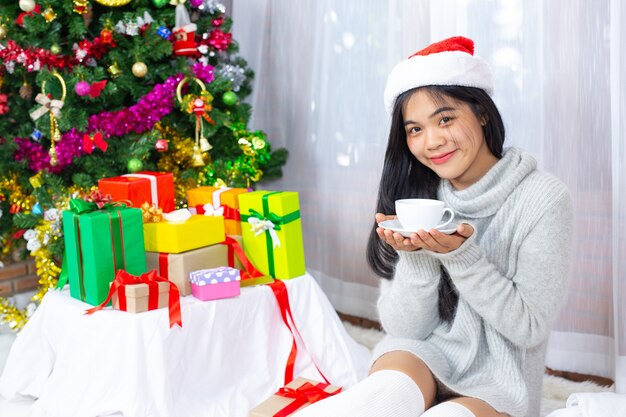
{"points": [[307, 393], [95, 141], [151, 278], [96, 196], [229, 212]]}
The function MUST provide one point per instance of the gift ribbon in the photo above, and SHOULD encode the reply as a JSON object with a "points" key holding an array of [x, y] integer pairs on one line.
{"points": [[282, 298], [268, 222], [164, 263], [234, 248], [228, 212], [307, 393], [217, 196], [151, 278], [53, 106], [154, 191], [177, 216]]}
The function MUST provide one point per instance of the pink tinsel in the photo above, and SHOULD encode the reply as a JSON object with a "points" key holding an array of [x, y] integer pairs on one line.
{"points": [[138, 118], [203, 72]]}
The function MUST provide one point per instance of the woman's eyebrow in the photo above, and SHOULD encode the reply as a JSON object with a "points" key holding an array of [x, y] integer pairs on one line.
{"points": [[440, 110]]}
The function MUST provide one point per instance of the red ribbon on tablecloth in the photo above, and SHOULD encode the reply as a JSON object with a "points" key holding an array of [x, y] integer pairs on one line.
{"points": [[307, 393], [229, 212], [282, 298], [234, 248], [151, 278]]}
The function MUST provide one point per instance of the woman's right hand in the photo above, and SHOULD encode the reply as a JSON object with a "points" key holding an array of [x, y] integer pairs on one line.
{"points": [[395, 239]]}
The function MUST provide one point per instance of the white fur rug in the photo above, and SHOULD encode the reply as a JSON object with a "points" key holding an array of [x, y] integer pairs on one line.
{"points": [[555, 390]]}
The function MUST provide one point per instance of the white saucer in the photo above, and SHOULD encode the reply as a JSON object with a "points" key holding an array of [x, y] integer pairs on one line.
{"points": [[395, 226]]}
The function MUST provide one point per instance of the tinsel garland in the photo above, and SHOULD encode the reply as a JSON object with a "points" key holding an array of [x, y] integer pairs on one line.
{"points": [[34, 58], [17, 197], [138, 118]]}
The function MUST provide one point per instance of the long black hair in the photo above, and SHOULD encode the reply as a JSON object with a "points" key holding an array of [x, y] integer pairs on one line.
{"points": [[404, 176]]}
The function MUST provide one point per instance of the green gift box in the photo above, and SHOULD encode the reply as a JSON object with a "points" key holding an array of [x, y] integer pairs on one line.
{"points": [[98, 242], [272, 232]]}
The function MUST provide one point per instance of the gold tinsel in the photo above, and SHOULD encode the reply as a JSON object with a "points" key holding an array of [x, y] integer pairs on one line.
{"points": [[47, 269], [15, 194], [177, 159]]}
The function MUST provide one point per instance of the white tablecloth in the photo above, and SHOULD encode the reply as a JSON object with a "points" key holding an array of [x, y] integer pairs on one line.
{"points": [[229, 355]]}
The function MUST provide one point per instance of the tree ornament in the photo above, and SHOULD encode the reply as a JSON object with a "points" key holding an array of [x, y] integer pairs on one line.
{"points": [[95, 141], [81, 6], [37, 209], [161, 145], [82, 88], [139, 69], [134, 165], [199, 106], [114, 70], [36, 135], [184, 33], [113, 3], [229, 98], [3, 31], [55, 48], [159, 3], [27, 5], [54, 108], [106, 36], [196, 159], [164, 32], [26, 91], [49, 14]]}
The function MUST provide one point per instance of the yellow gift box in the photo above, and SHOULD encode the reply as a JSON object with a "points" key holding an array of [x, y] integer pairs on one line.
{"points": [[175, 237], [225, 197], [272, 232]]}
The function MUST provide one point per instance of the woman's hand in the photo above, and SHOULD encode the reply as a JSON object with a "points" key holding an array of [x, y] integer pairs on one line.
{"points": [[432, 240]]}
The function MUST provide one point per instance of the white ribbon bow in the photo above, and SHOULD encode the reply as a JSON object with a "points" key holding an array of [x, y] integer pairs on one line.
{"points": [[209, 210], [47, 105], [260, 226], [177, 216]]}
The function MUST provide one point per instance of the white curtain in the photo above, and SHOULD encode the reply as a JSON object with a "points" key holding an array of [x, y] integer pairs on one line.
{"points": [[560, 68]]}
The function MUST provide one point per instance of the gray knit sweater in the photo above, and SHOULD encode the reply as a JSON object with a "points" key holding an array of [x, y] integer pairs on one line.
{"points": [[511, 276]]}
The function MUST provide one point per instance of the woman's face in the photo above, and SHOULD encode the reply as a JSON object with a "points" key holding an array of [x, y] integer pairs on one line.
{"points": [[446, 136]]}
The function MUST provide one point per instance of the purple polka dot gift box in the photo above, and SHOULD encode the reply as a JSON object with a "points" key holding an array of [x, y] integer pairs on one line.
{"points": [[215, 283]]}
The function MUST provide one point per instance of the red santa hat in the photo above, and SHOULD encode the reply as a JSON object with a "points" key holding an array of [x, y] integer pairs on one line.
{"points": [[449, 62]]}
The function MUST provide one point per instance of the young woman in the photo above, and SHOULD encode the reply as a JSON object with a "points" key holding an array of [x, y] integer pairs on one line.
{"points": [[467, 315]]}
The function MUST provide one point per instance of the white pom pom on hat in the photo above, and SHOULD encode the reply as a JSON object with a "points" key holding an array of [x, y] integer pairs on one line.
{"points": [[448, 62]]}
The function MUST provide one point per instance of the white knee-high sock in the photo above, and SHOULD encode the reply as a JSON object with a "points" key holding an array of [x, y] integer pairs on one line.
{"points": [[448, 409], [384, 393]]}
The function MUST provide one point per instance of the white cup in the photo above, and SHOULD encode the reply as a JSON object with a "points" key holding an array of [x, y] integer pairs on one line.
{"points": [[422, 213]]}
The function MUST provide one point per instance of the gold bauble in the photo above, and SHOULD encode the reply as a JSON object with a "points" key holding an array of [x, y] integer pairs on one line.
{"points": [[3, 32], [113, 3], [139, 69]]}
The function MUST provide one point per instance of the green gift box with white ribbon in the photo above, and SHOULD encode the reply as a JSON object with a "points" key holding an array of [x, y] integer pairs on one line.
{"points": [[272, 232]]}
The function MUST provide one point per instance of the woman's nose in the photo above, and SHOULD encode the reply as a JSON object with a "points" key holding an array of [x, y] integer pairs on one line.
{"points": [[434, 138]]}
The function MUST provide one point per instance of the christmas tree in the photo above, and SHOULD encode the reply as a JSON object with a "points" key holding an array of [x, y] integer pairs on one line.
{"points": [[98, 88]]}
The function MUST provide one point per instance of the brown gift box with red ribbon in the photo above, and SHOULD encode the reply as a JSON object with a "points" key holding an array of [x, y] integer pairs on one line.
{"points": [[155, 292], [137, 298], [177, 266], [299, 393]]}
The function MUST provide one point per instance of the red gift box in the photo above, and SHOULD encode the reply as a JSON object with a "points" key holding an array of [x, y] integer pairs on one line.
{"points": [[141, 187]]}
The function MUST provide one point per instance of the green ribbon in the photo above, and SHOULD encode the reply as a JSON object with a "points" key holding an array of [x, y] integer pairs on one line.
{"points": [[274, 218], [80, 206], [64, 275]]}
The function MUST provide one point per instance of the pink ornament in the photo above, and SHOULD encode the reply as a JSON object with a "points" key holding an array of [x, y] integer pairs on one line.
{"points": [[82, 88], [161, 145]]}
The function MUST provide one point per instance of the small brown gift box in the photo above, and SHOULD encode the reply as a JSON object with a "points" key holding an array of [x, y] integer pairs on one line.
{"points": [[299, 393], [137, 297]]}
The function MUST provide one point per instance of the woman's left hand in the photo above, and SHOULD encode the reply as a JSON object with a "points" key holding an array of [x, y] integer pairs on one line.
{"points": [[435, 241]]}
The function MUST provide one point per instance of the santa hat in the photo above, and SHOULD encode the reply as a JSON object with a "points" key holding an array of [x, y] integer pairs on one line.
{"points": [[449, 62]]}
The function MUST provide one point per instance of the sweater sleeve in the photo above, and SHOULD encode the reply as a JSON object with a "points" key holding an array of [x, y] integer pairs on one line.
{"points": [[408, 304], [521, 308]]}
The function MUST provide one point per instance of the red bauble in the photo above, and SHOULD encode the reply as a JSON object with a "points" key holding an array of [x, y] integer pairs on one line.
{"points": [[161, 145]]}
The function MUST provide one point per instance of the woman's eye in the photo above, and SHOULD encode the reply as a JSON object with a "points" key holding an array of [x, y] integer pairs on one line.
{"points": [[445, 120], [414, 130]]}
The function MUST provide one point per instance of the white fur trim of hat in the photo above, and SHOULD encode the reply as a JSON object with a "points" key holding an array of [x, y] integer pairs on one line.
{"points": [[449, 62]]}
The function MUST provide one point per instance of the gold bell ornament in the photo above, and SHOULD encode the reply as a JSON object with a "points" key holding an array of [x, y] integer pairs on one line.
{"points": [[200, 106], [53, 107]]}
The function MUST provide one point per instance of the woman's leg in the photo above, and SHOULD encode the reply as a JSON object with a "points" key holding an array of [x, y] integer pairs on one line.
{"points": [[463, 407], [391, 390]]}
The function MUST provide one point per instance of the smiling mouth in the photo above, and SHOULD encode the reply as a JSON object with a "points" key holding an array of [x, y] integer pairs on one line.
{"points": [[440, 159]]}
